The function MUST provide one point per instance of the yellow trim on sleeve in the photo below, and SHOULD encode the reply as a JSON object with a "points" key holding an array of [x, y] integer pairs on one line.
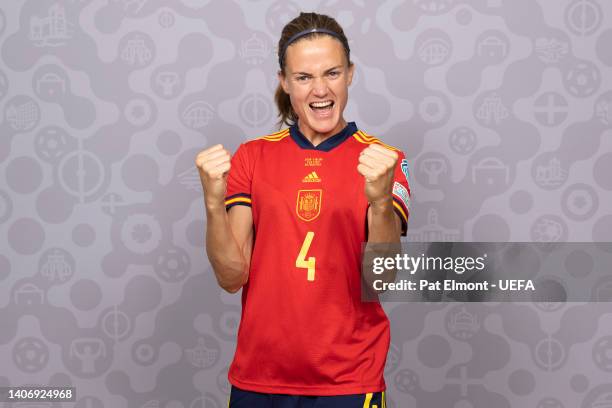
{"points": [[401, 210], [238, 200]]}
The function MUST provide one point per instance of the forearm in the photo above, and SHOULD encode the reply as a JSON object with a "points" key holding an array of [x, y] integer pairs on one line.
{"points": [[383, 240], [384, 225], [228, 260]]}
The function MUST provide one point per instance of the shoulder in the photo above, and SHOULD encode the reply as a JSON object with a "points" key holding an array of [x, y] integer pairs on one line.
{"points": [[254, 146], [271, 138], [363, 138]]}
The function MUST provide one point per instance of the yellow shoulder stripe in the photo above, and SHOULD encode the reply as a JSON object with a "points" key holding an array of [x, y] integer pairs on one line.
{"points": [[279, 132], [368, 139], [365, 136], [275, 137]]}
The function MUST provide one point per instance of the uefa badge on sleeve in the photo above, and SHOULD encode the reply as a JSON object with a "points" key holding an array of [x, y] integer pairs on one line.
{"points": [[404, 167]]}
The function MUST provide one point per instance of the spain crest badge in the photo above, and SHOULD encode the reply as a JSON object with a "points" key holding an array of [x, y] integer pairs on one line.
{"points": [[308, 205]]}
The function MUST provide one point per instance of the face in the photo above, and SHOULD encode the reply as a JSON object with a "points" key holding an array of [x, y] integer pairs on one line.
{"points": [[317, 77]]}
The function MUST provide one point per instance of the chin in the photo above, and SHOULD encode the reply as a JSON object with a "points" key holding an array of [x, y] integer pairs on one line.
{"points": [[323, 126]]}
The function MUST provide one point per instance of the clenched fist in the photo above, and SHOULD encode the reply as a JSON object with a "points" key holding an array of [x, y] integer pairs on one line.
{"points": [[214, 164], [377, 165]]}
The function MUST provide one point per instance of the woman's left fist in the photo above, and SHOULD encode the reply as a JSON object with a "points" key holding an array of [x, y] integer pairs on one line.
{"points": [[377, 166]]}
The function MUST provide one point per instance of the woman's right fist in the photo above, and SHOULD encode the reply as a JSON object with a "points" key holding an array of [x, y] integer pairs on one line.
{"points": [[213, 165]]}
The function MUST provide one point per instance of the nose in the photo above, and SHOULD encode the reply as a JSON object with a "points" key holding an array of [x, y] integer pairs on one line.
{"points": [[319, 87]]}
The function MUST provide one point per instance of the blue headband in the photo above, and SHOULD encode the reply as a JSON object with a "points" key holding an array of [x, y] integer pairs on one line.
{"points": [[301, 34]]}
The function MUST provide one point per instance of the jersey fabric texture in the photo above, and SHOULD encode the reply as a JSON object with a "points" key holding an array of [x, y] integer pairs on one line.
{"points": [[304, 329]]}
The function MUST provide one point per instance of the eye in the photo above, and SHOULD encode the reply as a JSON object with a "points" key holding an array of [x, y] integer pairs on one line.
{"points": [[334, 74], [301, 78]]}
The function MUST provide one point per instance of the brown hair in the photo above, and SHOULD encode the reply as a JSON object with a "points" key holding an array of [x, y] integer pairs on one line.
{"points": [[303, 22]]}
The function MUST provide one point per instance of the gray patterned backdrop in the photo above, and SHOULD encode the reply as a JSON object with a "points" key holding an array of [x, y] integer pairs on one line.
{"points": [[504, 110]]}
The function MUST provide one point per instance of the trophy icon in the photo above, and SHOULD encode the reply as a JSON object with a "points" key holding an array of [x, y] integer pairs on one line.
{"points": [[167, 80], [433, 168], [87, 351]]}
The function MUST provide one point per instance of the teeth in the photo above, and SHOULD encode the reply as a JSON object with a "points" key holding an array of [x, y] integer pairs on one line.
{"points": [[321, 104]]}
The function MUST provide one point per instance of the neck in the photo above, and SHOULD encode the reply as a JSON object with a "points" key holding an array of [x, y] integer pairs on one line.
{"points": [[317, 138]]}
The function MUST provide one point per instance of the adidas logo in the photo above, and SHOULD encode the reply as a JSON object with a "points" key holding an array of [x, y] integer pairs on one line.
{"points": [[311, 178]]}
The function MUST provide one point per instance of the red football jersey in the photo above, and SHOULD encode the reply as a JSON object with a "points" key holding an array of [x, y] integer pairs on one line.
{"points": [[304, 329]]}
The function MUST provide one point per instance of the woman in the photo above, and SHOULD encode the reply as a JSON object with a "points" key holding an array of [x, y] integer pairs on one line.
{"points": [[287, 216]]}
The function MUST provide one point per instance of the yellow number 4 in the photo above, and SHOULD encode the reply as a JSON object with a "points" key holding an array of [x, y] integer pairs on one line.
{"points": [[301, 261]]}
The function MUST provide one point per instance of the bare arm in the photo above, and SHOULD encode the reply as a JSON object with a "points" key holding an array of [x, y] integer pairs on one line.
{"points": [[384, 225], [229, 234], [229, 243], [377, 165]]}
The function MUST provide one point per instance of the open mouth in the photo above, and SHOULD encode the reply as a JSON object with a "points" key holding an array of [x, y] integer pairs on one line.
{"points": [[321, 107]]}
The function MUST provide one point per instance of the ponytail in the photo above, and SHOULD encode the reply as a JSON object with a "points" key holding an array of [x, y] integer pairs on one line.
{"points": [[286, 114]]}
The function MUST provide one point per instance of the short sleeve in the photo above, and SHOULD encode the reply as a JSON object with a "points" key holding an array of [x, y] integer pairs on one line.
{"points": [[401, 191], [239, 179]]}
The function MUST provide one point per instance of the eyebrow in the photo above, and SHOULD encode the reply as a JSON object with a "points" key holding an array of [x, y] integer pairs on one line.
{"points": [[326, 71]]}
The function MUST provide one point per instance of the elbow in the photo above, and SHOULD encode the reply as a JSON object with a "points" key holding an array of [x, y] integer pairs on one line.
{"points": [[231, 289], [231, 276], [236, 285]]}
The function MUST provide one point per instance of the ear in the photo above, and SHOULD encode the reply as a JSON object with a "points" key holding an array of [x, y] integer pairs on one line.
{"points": [[351, 70], [283, 81]]}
